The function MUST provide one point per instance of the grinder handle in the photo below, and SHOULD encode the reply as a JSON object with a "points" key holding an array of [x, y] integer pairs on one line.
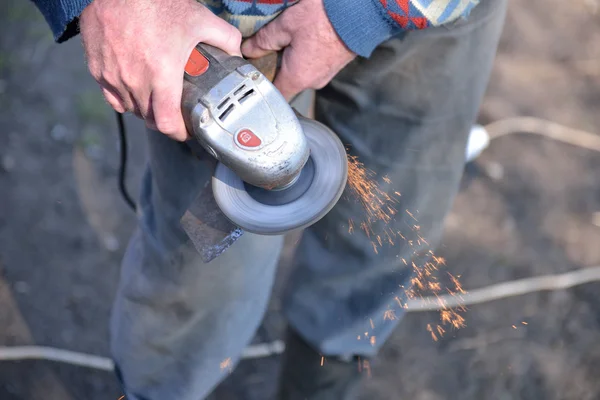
{"points": [[268, 64]]}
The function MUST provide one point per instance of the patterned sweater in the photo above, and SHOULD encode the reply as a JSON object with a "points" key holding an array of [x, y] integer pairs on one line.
{"points": [[361, 24]]}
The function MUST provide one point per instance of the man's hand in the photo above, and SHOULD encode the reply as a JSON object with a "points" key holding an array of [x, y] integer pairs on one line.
{"points": [[137, 51], [313, 52]]}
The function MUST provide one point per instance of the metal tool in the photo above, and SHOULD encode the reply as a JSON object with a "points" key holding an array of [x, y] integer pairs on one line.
{"points": [[277, 171]]}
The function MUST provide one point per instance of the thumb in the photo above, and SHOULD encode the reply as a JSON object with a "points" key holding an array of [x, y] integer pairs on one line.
{"points": [[271, 37]]}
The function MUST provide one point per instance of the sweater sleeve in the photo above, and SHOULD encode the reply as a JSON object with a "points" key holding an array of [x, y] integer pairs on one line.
{"points": [[62, 16], [364, 24]]}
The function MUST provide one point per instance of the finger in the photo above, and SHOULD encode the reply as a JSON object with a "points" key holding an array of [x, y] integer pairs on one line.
{"points": [[118, 90], [289, 81], [113, 100], [219, 33], [272, 37], [141, 104], [166, 107], [151, 125]]}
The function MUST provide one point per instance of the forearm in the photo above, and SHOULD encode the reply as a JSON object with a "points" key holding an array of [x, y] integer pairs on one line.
{"points": [[364, 24], [62, 16]]}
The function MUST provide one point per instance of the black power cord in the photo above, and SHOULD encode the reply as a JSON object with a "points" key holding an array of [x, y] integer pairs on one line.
{"points": [[123, 163]]}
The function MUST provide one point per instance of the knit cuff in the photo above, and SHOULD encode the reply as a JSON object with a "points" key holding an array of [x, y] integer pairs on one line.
{"points": [[361, 24], [62, 16]]}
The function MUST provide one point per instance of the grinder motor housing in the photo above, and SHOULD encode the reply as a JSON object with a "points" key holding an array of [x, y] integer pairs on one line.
{"points": [[241, 119]]}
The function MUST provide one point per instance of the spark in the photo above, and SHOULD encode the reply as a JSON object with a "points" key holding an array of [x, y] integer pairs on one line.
{"points": [[398, 301], [430, 330], [226, 363], [365, 189], [373, 340], [374, 247], [438, 260], [372, 324], [514, 327], [440, 330], [322, 360], [389, 315], [367, 366], [457, 285], [381, 208], [524, 323], [389, 239]]}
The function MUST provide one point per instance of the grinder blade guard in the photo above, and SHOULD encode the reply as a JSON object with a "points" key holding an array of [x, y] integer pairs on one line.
{"points": [[277, 170]]}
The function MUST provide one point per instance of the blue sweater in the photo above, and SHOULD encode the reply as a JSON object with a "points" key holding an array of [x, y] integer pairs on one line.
{"points": [[362, 24]]}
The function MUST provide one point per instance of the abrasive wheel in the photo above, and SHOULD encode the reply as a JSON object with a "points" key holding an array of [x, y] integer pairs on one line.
{"points": [[315, 192]]}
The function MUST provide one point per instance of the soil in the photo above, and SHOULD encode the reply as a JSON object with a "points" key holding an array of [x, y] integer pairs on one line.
{"points": [[526, 208]]}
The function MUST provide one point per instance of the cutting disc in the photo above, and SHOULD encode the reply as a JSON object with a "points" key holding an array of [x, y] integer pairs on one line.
{"points": [[315, 192]]}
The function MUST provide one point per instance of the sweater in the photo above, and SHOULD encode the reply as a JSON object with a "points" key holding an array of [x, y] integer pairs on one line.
{"points": [[361, 24]]}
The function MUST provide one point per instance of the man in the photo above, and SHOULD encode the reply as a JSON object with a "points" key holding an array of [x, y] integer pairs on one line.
{"points": [[401, 80]]}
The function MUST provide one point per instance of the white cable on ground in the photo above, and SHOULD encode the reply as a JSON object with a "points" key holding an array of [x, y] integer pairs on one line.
{"points": [[506, 289], [52, 354], [496, 129], [541, 127], [477, 296], [14, 353]]}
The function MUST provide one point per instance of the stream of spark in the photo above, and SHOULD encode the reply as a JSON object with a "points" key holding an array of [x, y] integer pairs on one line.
{"points": [[380, 207]]}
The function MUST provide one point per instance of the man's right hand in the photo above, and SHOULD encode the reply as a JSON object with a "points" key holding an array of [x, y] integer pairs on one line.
{"points": [[137, 51]]}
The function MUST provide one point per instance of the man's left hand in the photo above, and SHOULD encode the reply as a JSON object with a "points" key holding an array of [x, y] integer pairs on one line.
{"points": [[313, 53]]}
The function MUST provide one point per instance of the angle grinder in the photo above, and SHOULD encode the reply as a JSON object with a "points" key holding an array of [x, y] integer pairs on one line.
{"points": [[277, 171]]}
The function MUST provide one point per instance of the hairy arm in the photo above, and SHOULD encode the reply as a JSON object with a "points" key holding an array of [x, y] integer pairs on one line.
{"points": [[137, 50]]}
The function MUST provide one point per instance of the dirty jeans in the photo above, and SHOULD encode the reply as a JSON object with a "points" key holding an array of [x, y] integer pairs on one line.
{"points": [[405, 113]]}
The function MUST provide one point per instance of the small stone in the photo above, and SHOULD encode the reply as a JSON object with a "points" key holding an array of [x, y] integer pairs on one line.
{"points": [[596, 219], [8, 163], [111, 243], [22, 287], [94, 152], [494, 170], [59, 132]]}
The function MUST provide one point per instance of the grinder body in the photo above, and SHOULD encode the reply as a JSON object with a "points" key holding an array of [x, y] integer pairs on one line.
{"points": [[276, 170], [242, 120]]}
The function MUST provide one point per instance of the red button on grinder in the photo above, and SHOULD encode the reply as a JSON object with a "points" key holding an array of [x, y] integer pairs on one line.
{"points": [[247, 138], [197, 64]]}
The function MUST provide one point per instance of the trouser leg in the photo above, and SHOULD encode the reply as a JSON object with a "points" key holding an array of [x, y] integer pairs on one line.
{"points": [[405, 113], [176, 319]]}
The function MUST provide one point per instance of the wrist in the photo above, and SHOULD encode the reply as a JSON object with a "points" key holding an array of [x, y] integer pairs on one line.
{"points": [[361, 24]]}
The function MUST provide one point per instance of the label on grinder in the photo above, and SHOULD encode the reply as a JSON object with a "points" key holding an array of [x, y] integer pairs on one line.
{"points": [[247, 138]]}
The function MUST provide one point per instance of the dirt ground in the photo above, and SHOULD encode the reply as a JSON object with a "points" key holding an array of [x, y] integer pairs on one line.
{"points": [[526, 208]]}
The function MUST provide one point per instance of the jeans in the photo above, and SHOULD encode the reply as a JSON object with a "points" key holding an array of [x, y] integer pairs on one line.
{"points": [[405, 113]]}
